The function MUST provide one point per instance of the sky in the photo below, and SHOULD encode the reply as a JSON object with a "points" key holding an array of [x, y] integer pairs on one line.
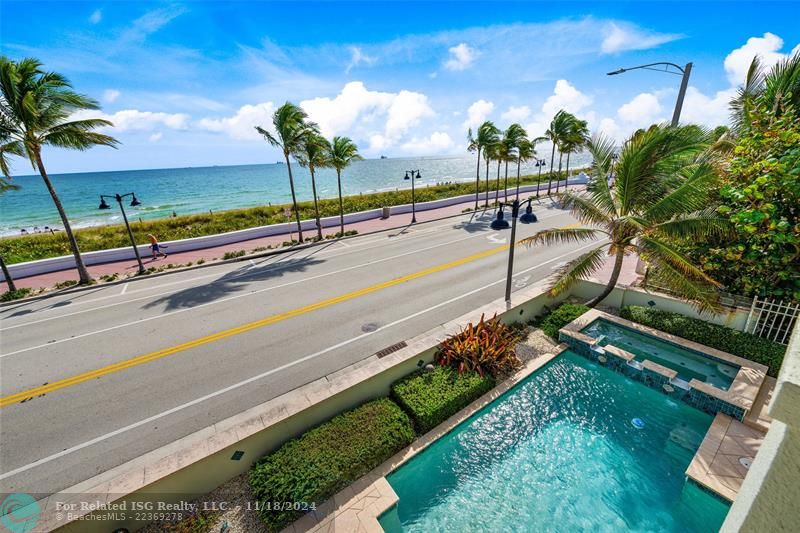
{"points": [[186, 82]]}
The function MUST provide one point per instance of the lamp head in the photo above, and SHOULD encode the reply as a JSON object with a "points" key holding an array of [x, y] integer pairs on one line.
{"points": [[103, 204], [135, 202], [528, 217], [615, 72], [499, 222], [406, 178]]}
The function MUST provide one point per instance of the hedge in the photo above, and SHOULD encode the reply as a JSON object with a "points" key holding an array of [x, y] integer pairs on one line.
{"points": [[720, 337], [431, 397], [328, 458], [560, 317]]}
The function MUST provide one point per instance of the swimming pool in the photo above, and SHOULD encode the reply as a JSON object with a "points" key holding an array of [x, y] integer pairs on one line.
{"points": [[559, 452], [688, 364]]}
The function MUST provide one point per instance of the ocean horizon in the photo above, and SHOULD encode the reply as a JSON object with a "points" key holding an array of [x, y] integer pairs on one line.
{"points": [[192, 190]]}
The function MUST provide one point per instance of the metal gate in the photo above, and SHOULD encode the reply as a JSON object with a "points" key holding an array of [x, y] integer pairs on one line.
{"points": [[772, 319]]}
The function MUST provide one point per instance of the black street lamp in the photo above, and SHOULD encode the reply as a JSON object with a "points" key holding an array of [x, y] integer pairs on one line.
{"points": [[500, 223], [413, 175], [539, 164], [528, 217], [684, 71], [134, 203]]}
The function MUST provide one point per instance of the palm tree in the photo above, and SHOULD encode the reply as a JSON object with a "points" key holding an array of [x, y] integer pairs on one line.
{"points": [[314, 154], [6, 185], [506, 147], [342, 152], [35, 111], [663, 191], [526, 150], [487, 134], [574, 142], [488, 154], [558, 129], [775, 90], [291, 129]]}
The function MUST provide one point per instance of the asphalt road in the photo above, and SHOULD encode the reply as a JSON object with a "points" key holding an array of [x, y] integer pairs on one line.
{"points": [[113, 372]]}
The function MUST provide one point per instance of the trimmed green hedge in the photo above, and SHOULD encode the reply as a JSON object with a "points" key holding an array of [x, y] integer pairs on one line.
{"points": [[431, 397], [720, 337], [560, 317], [326, 459]]}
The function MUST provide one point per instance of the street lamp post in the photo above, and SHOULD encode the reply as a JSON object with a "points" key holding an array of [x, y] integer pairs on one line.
{"points": [[539, 163], [684, 71], [413, 175], [500, 223], [134, 203]]}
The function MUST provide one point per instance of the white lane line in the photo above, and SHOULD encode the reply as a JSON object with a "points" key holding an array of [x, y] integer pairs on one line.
{"points": [[263, 375], [124, 289], [221, 300], [345, 244], [280, 265], [252, 264]]}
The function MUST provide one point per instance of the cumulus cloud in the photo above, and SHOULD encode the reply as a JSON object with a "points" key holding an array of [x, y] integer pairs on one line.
{"points": [[620, 37], [516, 113], [135, 120], [565, 96], [110, 95], [766, 47], [438, 142], [478, 112], [461, 57], [643, 109], [242, 124], [358, 57], [96, 16]]}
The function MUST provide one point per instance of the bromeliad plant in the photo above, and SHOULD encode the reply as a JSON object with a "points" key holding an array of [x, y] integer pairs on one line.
{"points": [[487, 346]]}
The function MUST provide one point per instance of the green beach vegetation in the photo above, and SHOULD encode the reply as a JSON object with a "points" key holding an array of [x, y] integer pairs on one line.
{"points": [[41, 246]]}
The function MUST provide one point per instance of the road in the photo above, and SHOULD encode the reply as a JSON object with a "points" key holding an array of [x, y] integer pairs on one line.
{"points": [[92, 379]]}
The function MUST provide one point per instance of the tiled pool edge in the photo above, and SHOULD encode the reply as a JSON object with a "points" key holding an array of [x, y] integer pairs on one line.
{"points": [[359, 506], [736, 401]]}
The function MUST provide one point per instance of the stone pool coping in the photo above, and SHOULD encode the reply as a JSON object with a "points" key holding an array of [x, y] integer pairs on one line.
{"points": [[358, 507], [742, 391]]}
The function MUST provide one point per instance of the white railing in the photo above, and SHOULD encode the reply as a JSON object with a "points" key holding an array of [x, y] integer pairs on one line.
{"points": [[772, 319]]}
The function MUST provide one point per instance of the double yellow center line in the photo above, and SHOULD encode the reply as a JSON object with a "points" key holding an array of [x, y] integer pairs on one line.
{"points": [[135, 361]]}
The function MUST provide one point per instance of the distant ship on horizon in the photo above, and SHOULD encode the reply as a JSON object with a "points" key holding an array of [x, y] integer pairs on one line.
{"points": [[384, 157]]}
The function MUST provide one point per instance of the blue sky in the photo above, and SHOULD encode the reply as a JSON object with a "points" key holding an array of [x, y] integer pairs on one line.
{"points": [[185, 82]]}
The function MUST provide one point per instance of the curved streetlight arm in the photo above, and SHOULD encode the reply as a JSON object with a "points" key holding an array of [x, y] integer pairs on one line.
{"points": [[649, 67], [684, 73]]}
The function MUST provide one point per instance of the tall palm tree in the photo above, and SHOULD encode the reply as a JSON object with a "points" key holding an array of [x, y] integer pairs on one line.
{"points": [[558, 129], [774, 90], [342, 152], [35, 111], [506, 148], [488, 154], [314, 154], [291, 129], [574, 142], [526, 150], [663, 191], [486, 134]]}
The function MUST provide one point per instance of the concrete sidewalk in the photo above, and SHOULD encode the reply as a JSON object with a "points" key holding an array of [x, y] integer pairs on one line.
{"points": [[129, 267]]}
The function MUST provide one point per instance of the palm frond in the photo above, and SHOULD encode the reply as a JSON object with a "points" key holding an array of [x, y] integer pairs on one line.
{"points": [[652, 249], [691, 192], [562, 236], [584, 209], [698, 226], [602, 149], [702, 295], [577, 269]]}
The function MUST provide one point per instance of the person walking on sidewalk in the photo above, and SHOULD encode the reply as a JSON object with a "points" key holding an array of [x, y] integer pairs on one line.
{"points": [[156, 249]]}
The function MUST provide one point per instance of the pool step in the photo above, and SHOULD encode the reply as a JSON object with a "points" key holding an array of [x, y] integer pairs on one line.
{"points": [[680, 383], [635, 364]]}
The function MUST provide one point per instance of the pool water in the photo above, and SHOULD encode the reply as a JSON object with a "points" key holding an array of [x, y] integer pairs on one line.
{"points": [[559, 452], [688, 364]]}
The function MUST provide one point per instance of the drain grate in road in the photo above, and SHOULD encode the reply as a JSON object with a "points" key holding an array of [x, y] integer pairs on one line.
{"points": [[391, 349]]}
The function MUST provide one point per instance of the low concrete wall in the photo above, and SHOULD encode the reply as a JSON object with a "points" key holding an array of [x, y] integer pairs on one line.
{"points": [[198, 463], [54, 264]]}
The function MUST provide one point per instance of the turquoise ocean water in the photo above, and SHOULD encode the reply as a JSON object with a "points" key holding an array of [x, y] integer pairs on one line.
{"points": [[196, 190], [559, 453]]}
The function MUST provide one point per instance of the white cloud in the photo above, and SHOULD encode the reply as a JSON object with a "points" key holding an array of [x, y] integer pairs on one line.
{"points": [[362, 113], [358, 57], [620, 37], [110, 95], [461, 57], [565, 96], [766, 47], [644, 109], [710, 111], [135, 120], [155, 137], [437, 143], [96, 16], [242, 124], [478, 113], [516, 113]]}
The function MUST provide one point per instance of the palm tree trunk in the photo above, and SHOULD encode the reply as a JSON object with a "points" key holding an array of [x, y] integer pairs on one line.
{"points": [[505, 184], [612, 282], [83, 274], [486, 198], [294, 198], [497, 184], [341, 204], [558, 177], [7, 275], [566, 180], [519, 162], [316, 207], [550, 175], [478, 178]]}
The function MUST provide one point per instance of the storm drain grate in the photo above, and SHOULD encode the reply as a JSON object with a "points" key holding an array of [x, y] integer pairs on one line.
{"points": [[391, 349]]}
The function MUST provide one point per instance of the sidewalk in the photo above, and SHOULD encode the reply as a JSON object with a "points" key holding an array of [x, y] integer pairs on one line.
{"points": [[130, 267]]}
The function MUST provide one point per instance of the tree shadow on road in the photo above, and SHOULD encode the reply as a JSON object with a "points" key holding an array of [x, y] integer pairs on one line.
{"points": [[231, 283], [478, 222]]}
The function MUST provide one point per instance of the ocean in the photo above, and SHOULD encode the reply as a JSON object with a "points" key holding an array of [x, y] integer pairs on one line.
{"points": [[196, 190]]}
